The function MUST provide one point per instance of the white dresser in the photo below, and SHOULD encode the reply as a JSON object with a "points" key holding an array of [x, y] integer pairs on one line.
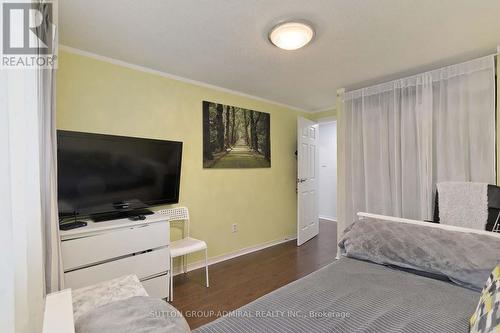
{"points": [[106, 250]]}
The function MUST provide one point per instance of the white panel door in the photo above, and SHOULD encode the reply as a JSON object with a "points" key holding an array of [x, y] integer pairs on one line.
{"points": [[307, 180]]}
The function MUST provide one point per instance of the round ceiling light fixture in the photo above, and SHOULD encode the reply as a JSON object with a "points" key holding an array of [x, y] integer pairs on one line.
{"points": [[291, 35]]}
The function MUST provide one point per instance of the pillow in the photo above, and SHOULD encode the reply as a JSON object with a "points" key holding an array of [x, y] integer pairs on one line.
{"points": [[133, 315], [91, 297], [486, 318], [464, 258]]}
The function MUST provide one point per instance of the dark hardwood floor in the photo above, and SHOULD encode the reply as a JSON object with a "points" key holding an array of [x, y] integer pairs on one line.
{"points": [[236, 282]]}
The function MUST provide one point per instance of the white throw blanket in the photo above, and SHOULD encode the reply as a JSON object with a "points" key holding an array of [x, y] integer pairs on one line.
{"points": [[463, 204]]}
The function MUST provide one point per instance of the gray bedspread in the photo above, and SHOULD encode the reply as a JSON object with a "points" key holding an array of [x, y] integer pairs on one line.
{"points": [[350, 295], [465, 258]]}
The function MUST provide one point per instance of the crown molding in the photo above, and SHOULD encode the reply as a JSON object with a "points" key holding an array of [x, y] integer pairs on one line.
{"points": [[144, 69], [333, 107]]}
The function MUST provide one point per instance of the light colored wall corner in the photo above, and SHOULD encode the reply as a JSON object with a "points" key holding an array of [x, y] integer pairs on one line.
{"points": [[96, 95], [330, 113]]}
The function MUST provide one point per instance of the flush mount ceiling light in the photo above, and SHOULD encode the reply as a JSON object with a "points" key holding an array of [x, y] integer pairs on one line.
{"points": [[291, 35]]}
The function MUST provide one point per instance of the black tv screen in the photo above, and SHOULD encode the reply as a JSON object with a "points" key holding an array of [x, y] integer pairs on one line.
{"points": [[100, 173]]}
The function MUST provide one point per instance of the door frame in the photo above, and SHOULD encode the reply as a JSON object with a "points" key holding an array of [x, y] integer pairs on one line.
{"points": [[328, 120]]}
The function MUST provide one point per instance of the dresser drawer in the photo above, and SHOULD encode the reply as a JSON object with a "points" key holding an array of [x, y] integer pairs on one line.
{"points": [[143, 265], [94, 249]]}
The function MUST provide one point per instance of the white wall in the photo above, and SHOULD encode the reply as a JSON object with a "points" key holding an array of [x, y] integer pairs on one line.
{"points": [[328, 170]]}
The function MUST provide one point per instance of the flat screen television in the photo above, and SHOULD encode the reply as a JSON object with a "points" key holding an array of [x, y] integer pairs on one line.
{"points": [[107, 177]]}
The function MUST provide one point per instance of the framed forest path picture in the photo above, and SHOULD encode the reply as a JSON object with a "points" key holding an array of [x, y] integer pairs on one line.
{"points": [[235, 137]]}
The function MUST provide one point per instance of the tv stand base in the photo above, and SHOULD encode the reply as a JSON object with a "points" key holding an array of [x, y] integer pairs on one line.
{"points": [[101, 217]]}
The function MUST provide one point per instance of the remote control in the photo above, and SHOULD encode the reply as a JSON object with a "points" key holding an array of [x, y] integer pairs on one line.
{"points": [[137, 218], [72, 225]]}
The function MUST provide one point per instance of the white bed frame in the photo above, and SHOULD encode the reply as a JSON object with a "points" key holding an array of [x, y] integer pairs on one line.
{"points": [[366, 216], [58, 314]]}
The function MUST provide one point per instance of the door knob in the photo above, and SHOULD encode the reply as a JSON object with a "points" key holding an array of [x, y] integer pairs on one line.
{"points": [[301, 180]]}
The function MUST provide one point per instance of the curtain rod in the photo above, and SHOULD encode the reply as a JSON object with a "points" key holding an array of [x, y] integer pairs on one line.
{"points": [[495, 55]]}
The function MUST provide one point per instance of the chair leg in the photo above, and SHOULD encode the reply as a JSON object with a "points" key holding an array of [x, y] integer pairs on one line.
{"points": [[206, 268], [185, 262], [171, 294]]}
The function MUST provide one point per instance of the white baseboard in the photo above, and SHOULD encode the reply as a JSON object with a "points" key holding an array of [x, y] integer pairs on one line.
{"points": [[201, 263], [331, 219]]}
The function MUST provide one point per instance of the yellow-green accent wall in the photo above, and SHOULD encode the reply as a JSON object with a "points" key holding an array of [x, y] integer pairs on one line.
{"points": [[101, 97]]}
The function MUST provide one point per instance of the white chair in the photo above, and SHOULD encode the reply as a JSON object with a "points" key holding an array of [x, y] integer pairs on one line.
{"points": [[184, 246]]}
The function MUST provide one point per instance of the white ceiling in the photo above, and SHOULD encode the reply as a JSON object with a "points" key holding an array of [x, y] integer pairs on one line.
{"points": [[224, 42]]}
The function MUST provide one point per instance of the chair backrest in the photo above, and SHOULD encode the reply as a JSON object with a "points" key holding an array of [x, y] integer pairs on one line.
{"points": [[180, 214]]}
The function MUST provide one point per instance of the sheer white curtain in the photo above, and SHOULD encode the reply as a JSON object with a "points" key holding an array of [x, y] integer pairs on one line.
{"points": [[21, 267], [54, 280], [404, 136], [28, 202]]}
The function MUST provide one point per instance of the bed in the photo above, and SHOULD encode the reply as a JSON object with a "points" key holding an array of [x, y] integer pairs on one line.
{"points": [[392, 277], [395, 275], [121, 305], [351, 295]]}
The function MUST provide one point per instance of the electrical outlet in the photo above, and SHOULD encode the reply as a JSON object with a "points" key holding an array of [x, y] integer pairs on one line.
{"points": [[234, 227]]}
